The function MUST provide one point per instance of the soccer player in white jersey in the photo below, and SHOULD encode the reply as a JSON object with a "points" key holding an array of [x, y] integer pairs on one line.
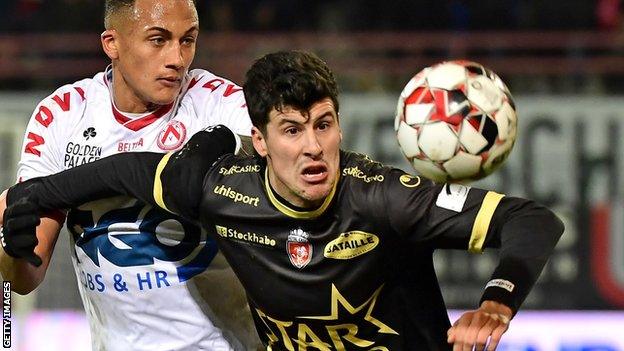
{"points": [[148, 280]]}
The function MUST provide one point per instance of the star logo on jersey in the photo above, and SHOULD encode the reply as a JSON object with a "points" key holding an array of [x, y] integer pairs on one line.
{"points": [[343, 331], [337, 299], [89, 133], [298, 248], [172, 136]]}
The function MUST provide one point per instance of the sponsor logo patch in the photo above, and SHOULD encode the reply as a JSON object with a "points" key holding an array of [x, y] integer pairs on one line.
{"points": [[78, 154], [355, 172], [453, 196], [351, 244], [501, 283], [409, 181], [236, 196], [89, 133], [249, 237], [239, 169]]}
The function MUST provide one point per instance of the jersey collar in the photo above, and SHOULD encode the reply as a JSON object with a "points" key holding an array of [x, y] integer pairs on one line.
{"points": [[136, 123], [289, 211]]}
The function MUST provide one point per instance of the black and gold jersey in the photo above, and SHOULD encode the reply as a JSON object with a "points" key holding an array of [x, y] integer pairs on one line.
{"points": [[354, 274]]}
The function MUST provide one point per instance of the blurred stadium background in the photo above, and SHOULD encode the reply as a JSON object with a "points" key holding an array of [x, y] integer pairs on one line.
{"points": [[563, 61]]}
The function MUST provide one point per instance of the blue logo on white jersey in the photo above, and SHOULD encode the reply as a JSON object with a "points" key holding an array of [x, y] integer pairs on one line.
{"points": [[142, 247]]}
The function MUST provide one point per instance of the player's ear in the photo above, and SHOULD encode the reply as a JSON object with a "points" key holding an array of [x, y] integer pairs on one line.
{"points": [[109, 43], [259, 142]]}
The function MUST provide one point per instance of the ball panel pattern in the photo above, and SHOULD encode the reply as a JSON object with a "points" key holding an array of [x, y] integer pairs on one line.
{"points": [[456, 121]]}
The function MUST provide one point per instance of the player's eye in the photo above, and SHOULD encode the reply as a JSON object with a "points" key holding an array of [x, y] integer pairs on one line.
{"points": [[188, 40], [323, 125], [291, 131], [159, 41]]}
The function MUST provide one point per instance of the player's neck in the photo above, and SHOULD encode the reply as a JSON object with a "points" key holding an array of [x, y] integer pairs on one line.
{"points": [[307, 207], [126, 100]]}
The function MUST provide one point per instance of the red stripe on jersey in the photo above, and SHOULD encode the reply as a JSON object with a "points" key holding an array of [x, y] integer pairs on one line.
{"points": [[80, 91], [119, 117], [138, 123], [35, 141], [142, 122]]}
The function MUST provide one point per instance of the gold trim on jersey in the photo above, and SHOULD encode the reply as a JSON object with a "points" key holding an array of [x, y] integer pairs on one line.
{"points": [[294, 213], [158, 196], [482, 221]]}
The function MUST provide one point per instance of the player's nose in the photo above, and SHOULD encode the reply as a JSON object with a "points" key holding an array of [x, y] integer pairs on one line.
{"points": [[312, 146], [175, 57]]}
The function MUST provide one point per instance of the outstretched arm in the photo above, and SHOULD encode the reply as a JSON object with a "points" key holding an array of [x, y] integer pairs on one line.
{"points": [[458, 217], [24, 276], [526, 234], [133, 174]]}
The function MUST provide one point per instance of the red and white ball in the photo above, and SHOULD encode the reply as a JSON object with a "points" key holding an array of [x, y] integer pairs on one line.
{"points": [[456, 121]]}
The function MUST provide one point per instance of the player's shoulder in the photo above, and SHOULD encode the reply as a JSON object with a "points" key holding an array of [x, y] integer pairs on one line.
{"points": [[68, 99], [360, 169], [207, 85]]}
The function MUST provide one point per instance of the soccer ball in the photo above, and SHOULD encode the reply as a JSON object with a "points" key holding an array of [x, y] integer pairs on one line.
{"points": [[456, 122]]}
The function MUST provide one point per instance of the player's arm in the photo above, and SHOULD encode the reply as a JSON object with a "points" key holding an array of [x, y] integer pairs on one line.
{"points": [[172, 181], [471, 219], [526, 234], [40, 156], [24, 276]]}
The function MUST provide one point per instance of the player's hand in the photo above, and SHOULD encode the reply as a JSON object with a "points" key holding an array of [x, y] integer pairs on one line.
{"points": [[480, 328], [18, 235]]}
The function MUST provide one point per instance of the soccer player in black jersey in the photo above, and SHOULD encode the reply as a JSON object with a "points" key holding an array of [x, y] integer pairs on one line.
{"points": [[333, 249]]}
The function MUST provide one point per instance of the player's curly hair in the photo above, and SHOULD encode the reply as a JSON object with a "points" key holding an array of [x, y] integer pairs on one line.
{"points": [[287, 78], [112, 7]]}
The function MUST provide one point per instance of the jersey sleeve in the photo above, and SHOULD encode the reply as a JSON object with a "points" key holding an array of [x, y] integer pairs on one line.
{"points": [[440, 215], [459, 217], [179, 176], [173, 182], [220, 101], [42, 148]]}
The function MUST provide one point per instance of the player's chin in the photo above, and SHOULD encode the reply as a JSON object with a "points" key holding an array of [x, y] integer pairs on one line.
{"points": [[165, 96], [317, 192]]}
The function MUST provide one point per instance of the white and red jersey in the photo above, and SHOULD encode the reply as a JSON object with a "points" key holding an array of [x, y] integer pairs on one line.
{"points": [[148, 279]]}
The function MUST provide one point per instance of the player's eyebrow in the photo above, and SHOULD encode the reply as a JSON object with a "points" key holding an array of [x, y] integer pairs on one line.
{"points": [[329, 114], [285, 120], [168, 32]]}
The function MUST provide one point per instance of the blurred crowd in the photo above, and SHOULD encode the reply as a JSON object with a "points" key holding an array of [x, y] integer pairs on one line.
{"points": [[335, 15]]}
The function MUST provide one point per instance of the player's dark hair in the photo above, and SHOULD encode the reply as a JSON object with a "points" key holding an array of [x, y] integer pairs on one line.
{"points": [[287, 78], [114, 6]]}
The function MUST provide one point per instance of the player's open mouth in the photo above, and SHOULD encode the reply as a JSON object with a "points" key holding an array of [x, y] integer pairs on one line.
{"points": [[314, 174]]}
